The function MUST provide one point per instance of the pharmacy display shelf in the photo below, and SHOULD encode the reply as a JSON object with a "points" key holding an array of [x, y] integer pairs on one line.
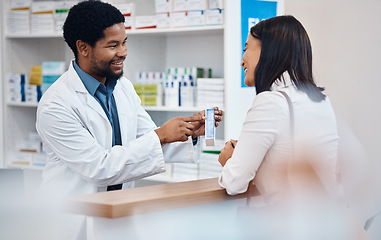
{"points": [[207, 30], [171, 109], [24, 166], [22, 104], [147, 108]]}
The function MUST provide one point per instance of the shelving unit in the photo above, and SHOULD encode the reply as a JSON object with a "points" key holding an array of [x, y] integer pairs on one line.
{"points": [[148, 50]]}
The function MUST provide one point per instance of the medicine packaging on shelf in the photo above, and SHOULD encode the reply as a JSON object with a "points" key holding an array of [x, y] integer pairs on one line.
{"points": [[216, 4], [196, 5], [143, 22], [214, 17], [61, 10], [42, 19], [163, 6], [163, 20], [179, 19], [196, 18], [210, 129], [128, 11], [180, 5]]}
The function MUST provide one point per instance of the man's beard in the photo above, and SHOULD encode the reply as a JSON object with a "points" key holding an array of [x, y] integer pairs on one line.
{"points": [[103, 69]]}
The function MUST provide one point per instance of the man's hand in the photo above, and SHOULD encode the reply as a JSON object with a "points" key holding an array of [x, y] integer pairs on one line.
{"points": [[177, 129], [227, 152], [199, 127]]}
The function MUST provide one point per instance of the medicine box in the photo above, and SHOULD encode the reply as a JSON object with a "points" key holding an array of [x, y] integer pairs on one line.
{"points": [[180, 5], [163, 6], [163, 20], [209, 127], [196, 18], [143, 22], [214, 17], [196, 5], [216, 4], [128, 11], [179, 19]]}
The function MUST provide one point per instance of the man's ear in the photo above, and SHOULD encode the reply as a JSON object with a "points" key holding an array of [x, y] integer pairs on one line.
{"points": [[83, 48]]}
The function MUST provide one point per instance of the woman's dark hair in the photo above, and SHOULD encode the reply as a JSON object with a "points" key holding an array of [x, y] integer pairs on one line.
{"points": [[87, 20], [285, 46]]}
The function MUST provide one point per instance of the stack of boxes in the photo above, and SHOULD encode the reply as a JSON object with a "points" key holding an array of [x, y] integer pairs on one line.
{"points": [[61, 11], [149, 88], [128, 11], [175, 14], [176, 88], [37, 17], [30, 152], [42, 18], [19, 17], [210, 92], [41, 78], [47, 17]]}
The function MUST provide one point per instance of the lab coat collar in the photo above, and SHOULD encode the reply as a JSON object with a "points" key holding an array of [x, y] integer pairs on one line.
{"points": [[282, 82], [79, 87], [75, 80]]}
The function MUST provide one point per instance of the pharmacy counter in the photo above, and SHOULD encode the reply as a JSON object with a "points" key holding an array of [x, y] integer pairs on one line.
{"points": [[186, 210]]}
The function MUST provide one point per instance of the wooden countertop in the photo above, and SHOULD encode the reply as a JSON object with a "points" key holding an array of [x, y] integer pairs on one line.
{"points": [[135, 201]]}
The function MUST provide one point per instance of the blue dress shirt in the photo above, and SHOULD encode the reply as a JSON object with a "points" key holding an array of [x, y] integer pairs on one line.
{"points": [[103, 94]]}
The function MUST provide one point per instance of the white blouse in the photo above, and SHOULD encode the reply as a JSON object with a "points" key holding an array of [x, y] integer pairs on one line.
{"points": [[264, 144]]}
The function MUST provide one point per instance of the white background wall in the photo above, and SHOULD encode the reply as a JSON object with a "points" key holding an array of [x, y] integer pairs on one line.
{"points": [[346, 41]]}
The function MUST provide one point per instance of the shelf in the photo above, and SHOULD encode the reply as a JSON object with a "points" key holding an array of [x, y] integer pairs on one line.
{"points": [[25, 166], [172, 109], [147, 108], [207, 30], [22, 104]]}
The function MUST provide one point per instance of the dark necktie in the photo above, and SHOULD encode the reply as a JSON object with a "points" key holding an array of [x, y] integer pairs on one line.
{"points": [[108, 104]]}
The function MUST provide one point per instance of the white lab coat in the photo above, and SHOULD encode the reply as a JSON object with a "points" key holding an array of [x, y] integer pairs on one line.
{"points": [[77, 138]]}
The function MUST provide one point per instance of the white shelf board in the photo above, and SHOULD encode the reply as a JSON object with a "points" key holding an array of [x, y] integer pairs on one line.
{"points": [[34, 35], [24, 166], [207, 30], [172, 109], [22, 104]]}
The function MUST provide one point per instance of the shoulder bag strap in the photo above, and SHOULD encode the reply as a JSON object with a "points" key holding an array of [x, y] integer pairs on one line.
{"points": [[251, 188]]}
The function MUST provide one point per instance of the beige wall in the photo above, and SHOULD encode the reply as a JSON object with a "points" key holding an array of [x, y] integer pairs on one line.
{"points": [[346, 41]]}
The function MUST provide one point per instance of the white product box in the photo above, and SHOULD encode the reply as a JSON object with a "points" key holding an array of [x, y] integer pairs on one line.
{"points": [[163, 6], [214, 17], [142, 22], [128, 11], [163, 20], [196, 18], [196, 5], [179, 19], [180, 5], [210, 129], [61, 11], [21, 3], [216, 4]]}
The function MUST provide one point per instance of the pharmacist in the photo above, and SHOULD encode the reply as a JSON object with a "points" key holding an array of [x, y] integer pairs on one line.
{"points": [[94, 130]]}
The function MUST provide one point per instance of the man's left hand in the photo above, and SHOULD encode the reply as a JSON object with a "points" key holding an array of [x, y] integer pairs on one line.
{"points": [[199, 127]]}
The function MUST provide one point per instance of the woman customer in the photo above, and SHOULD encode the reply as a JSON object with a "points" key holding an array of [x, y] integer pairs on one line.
{"points": [[278, 62]]}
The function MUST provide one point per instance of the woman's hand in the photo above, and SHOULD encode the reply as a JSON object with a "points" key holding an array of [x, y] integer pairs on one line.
{"points": [[227, 151], [199, 127]]}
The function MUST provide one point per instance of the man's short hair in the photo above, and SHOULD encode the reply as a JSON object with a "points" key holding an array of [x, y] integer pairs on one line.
{"points": [[87, 20]]}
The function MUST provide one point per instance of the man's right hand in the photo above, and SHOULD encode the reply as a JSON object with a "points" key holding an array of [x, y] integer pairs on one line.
{"points": [[177, 129]]}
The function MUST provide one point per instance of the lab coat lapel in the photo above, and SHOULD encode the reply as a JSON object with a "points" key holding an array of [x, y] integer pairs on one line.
{"points": [[80, 88], [122, 111]]}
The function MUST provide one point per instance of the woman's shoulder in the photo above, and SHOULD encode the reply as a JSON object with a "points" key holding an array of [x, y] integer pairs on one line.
{"points": [[270, 99]]}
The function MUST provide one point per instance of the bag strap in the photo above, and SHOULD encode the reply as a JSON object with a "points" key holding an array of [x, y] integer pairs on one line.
{"points": [[251, 186], [292, 119]]}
